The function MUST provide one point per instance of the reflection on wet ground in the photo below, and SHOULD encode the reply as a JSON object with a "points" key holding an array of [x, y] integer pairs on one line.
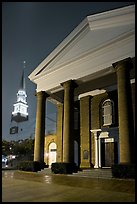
{"points": [[121, 185], [116, 186]]}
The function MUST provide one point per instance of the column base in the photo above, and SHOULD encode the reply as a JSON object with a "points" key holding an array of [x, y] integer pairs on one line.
{"points": [[85, 165], [96, 167]]}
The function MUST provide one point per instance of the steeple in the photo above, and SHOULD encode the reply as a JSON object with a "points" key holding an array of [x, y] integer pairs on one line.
{"points": [[22, 83], [20, 113]]}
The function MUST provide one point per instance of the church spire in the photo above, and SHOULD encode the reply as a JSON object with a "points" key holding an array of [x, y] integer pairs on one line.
{"points": [[22, 83], [20, 113]]}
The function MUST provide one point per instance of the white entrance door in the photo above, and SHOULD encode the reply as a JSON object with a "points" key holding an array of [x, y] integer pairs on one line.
{"points": [[52, 153]]}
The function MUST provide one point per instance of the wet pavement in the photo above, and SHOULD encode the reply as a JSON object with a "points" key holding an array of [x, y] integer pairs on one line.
{"points": [[21, 186]]}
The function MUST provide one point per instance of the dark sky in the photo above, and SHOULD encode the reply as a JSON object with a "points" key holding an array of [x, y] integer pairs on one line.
{"points": [[30, 31]]}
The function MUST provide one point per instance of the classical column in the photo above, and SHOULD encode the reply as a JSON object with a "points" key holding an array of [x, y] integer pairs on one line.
{"points": [[59, 132], [85, 135], [96, 151], [99, 145], [40, 127], [123, 80], [68, 123], [96, 147]]}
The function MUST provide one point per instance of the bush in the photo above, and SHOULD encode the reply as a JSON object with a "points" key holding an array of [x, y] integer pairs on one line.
{"points": [[31, 166], [63, 168], [123, 170]]}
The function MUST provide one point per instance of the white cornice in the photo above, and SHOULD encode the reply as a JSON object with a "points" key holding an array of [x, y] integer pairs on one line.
{"points": [[117, 42], [97, 58], [113, 18]]}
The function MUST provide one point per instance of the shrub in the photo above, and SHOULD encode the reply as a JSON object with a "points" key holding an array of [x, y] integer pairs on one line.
{"points": [[31, 166], [123, 170], [63, 168]]}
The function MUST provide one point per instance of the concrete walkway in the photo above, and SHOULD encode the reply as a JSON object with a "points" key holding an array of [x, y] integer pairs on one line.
{"points": [[19, 186]]}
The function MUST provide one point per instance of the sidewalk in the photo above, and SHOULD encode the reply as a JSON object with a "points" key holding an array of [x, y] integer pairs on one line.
{"points": [[18, 186]]}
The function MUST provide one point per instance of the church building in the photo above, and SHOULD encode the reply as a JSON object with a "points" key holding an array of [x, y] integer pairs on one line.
{"points": [[90, 77]]}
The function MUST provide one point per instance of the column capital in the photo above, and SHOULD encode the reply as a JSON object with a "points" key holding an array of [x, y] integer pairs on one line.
{"points": [[69, 83], [41, 94], [126, 63], [96, 130]]}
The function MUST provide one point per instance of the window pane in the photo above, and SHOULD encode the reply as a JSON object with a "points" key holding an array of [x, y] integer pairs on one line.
{"points": [[107, 113], [107, 110], [108, 120]]}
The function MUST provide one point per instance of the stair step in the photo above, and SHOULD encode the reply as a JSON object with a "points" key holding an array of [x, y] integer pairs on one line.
{"points": [[95, 173]]}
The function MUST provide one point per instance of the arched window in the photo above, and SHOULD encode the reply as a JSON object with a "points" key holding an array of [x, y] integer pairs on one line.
{"points": [[108, 112]]}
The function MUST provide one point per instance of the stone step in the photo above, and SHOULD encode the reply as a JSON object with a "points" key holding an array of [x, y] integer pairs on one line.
{"points": [[46, 171], [95, 173], [91, 173]]}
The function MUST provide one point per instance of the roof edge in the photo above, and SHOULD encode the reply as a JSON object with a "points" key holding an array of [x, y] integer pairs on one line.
{"points": [[74, 34], [115, 17]]}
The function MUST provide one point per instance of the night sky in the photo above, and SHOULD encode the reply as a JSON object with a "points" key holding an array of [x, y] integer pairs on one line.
{"points": [[30, 31]]}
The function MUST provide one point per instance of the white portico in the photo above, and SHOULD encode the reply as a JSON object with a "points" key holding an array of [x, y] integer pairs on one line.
{"points": [[82, 76]]}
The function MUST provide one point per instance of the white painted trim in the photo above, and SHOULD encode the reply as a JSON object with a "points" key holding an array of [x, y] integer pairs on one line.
{"points": [[99, 149], [57, 89], [116, 17], [117, 42], [109, 140], [92, 64], [92, 93], [104, 134], [95, 130]]}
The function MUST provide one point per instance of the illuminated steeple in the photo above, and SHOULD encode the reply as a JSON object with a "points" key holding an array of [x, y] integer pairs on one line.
{"points": [[20, 113]]}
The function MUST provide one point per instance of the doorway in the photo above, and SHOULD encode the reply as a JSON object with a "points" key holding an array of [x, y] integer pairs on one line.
{"points": [[108, 153], [52, 153]]}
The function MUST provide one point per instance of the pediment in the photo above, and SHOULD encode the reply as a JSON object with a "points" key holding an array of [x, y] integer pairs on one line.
{"points": [[90, 42], [95, 35]]}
